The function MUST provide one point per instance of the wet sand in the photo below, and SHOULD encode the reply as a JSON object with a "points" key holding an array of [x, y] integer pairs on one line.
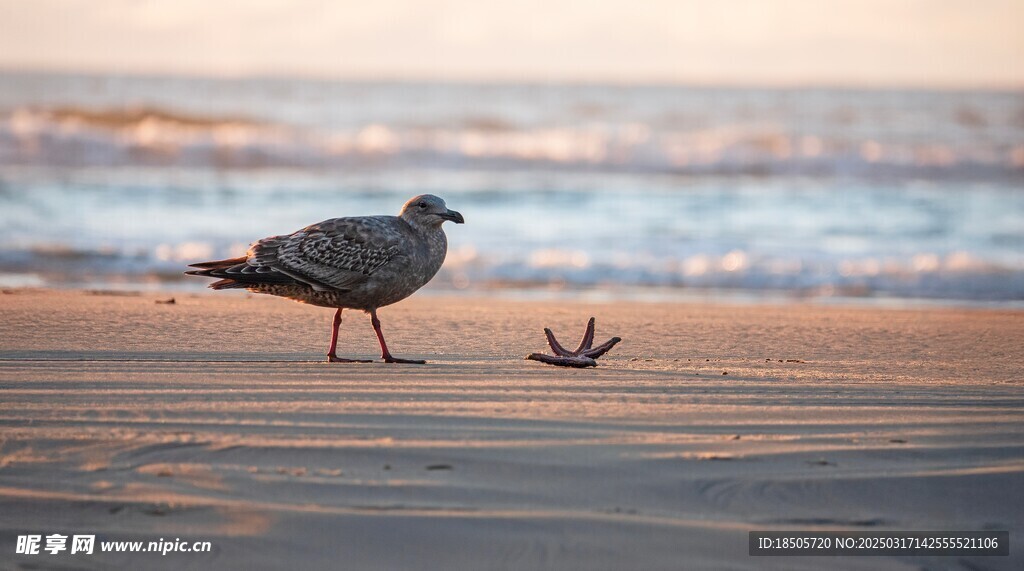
{"points": [[215, 419]]}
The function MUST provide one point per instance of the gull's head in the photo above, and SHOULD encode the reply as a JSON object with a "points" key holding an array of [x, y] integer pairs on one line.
{"points": [[429, 211]]}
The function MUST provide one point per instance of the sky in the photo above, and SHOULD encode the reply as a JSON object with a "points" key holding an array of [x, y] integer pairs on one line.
{"points": [[911, 43]]}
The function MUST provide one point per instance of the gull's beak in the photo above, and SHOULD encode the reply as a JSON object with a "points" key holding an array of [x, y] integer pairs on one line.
{"points": [[454, 217]]}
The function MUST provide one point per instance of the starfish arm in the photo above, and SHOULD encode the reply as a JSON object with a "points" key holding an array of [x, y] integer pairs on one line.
{"points": [[555, 345], [588, 338], [602, 349], [571, 361]]}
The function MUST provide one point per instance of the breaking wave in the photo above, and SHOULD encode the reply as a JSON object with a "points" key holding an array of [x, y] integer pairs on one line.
{"points": [[146, 136], [912, 194], [955, 276]]}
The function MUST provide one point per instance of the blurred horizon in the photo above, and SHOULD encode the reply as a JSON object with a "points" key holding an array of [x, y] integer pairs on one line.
{"points": [[511, 82], [875, 44]]}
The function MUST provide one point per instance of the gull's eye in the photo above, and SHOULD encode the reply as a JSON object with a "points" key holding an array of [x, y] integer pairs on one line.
{"points": [[422, 205]]}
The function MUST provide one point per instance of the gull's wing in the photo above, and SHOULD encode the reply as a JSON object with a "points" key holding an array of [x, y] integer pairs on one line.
{"points": [[334, 254]]}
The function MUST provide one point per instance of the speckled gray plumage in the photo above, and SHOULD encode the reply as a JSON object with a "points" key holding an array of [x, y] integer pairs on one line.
{"points": [[359, 262]]}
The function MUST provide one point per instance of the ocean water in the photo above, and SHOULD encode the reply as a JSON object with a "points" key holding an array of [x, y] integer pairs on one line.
{"points": [[118, 182]]}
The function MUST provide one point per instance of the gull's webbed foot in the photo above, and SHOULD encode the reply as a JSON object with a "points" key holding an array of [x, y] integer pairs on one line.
{"points": [[337, 359]]}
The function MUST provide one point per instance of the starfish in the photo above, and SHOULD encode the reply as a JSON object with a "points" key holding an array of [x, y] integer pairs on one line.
{"points": [[584, 356]]}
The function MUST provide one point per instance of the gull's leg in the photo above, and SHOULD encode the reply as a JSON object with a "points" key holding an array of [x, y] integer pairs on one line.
{"points": [[334, 335], [384, 353], [332, 357]]}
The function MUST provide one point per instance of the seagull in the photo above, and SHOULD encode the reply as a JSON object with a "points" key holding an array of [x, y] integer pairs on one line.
{"points": [[362, 262]]}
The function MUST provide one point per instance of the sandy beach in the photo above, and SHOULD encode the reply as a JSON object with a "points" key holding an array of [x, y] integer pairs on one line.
{"points": [[214, 418]]}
